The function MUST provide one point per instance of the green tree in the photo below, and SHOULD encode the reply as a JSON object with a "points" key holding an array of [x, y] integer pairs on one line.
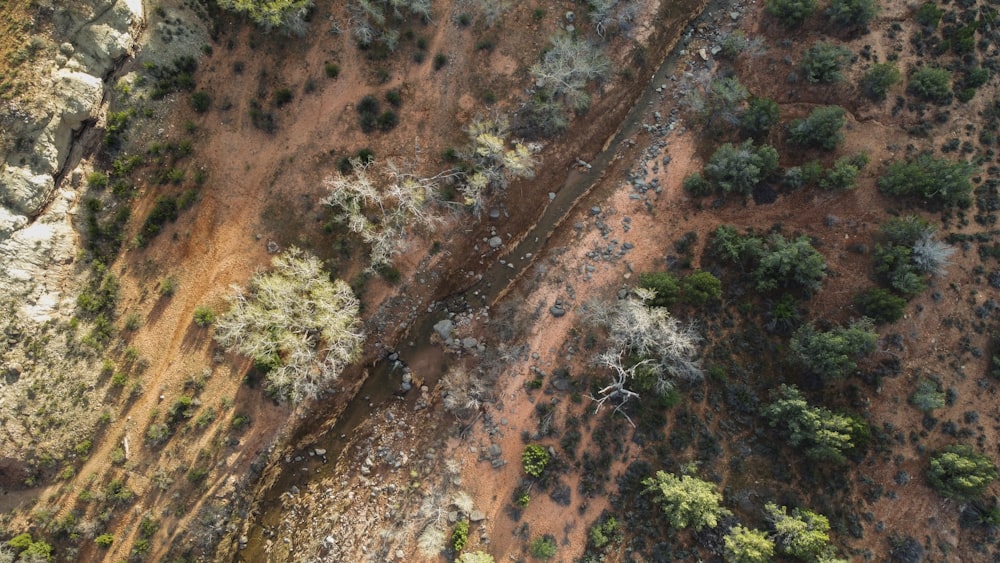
{"points": [[960, 472], [761, 114], [819, 432], [894, 266], [687, 501], [852, 14], [928, 15], [833, 353], [878, 79], [460, 536], [823, 62], [665, 285], [296, 324], [745, 545], [790, 264], [880, 305], [931, 84], [741, 168], [936, 181], [803, 534], [543, 547], [791, 13], [844, 173], [286, 15], [820, 129], [701, 288], [203, 316]]}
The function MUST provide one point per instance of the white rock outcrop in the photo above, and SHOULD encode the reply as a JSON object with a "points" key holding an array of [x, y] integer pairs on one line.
{"points": [[36, 233]]}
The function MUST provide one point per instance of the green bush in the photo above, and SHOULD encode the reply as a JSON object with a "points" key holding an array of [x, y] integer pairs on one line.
{"points": [[701, 288], [203, 316], [833, 353], [928, 396], [97, 180], [283, 97], [789, 264], [696, 185], [928, 15], [440, 60], [543, 548], [960, 472], [820, 433], [878, 79], [852, 14], [460, 536], [844, 173], [332, 70], [820, 129], [791, 12], [936, 181], [534, 459], [931, 84], [104, 540], [664, 284], [286, 15], [201, 102], [740, 168], [823, 62], [745, 545], [687, 502], [880, 305], [761, 114]]}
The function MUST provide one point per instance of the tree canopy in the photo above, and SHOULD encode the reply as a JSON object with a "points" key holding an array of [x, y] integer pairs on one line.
{"points": [[741, 168], [746, 545], [286, 15], [803, 534], [687, 501], [296, 324], [935, 181], [960, 472], [833, 353], [819, 432]]}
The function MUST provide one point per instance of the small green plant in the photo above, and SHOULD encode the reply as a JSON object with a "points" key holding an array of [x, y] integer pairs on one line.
{"points": [[523, 500], [240, 421], [880, 305], [97, 180], [879, 78], [203, 316], [534, 459], [332, 70], [791, 13], [201, 102], [543, 547], [823, 62], [104, 540], [931, 84], [283, 97], [168, 286], [460, 536], [440, 60]]}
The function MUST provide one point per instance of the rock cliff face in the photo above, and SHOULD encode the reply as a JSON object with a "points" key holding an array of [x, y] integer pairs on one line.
{"points": [[36, 235]]}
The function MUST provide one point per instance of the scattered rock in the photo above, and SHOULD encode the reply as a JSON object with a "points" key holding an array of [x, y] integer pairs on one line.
{"points": [[444, 328], [557, 311], [495, 242]]}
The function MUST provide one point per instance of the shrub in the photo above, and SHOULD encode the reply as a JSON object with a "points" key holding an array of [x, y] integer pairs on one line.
{"points": [[928, 15], [822, 62], [820, 129], [203, 316], [844, 173], [97, 180], [894, 266], [201, 102], [790, 264], [880, 305], [741, 168], [819, 432], [387, 120], [878, 79], [534, 459], [832, 354], [701, 288], [164, 210], [803, 534], [394, 98], [104, 540], [745, 545], [687, 502], [931, 84], [961, 473], [852, 14], [168, 286], [475, 557], [928, 395], [440, 60], [936, 181], [283, 97], [332, 70], [460, 536], [791, 12], [289, 16], [543, 547], [696, 185], [761, 114], [664, 284]]}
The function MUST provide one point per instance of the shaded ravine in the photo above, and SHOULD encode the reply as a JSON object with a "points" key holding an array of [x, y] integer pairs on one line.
{"points": [[382, 383]]}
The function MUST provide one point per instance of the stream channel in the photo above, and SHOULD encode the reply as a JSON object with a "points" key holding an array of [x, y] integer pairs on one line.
{"points": [[383, 382]]}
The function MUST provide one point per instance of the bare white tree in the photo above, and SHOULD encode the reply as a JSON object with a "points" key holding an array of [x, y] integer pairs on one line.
{"points": [[566, 68], [493, 159], [295, 321], [667, 348]]}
